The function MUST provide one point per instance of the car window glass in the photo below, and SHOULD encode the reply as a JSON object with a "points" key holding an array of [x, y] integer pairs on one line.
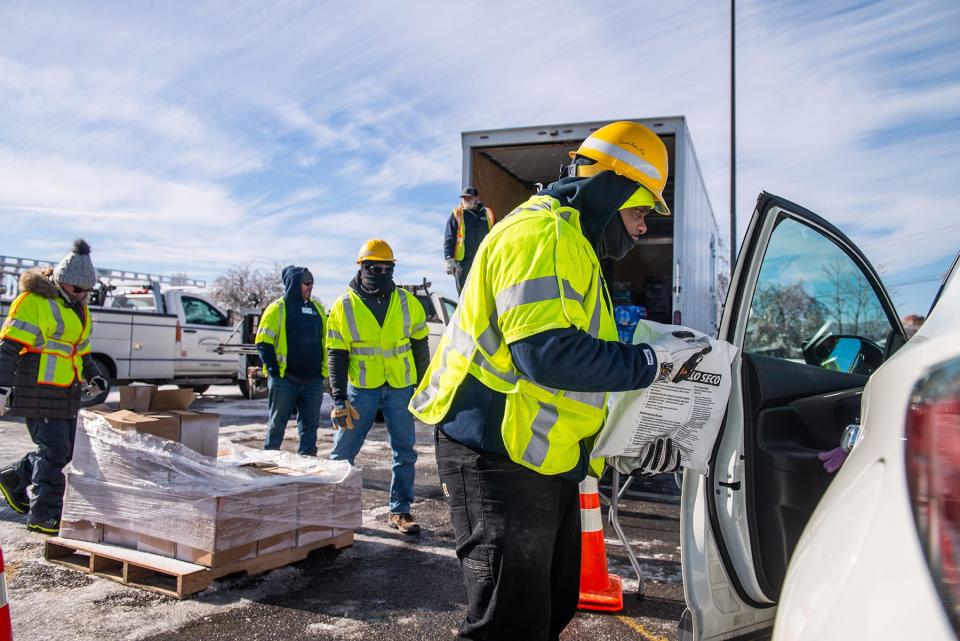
{"points": [[450, 306], [200, 312], [814, 305]]}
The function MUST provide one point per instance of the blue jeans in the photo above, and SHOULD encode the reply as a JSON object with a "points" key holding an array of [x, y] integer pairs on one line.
{"points": [[283, 396], [400, 430]]}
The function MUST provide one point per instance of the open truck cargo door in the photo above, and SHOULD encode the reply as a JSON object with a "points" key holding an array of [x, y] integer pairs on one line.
{"points": [[812, 322]]}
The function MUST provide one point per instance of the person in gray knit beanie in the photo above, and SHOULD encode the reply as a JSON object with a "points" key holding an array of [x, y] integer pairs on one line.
{"points": [[76, 268]]}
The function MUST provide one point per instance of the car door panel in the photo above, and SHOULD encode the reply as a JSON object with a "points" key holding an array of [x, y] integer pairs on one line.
{"points": [[797, 281], [787, 431]]}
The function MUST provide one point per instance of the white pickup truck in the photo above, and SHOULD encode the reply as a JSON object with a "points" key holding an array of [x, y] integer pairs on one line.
{"points": [[152, 333]]}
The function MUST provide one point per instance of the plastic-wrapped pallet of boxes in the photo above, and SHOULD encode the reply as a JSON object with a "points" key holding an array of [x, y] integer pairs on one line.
{"points": [[133, 488]]}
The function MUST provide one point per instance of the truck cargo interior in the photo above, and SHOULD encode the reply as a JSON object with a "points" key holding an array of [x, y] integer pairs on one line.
{"points": [[507, 175]]}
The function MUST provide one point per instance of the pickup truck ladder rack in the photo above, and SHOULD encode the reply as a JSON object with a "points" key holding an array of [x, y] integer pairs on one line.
{"points": [[12, 266]]}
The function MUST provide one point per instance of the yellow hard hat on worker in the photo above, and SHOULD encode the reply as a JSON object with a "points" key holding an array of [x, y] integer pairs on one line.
{"points": [[376, 249], [632, 151]]}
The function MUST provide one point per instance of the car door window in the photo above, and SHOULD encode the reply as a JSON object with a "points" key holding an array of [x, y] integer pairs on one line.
{"points": [[813, 304], [200, 312]]}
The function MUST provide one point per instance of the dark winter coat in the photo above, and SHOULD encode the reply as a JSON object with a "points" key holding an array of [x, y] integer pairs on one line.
{"points": [[19, 368]]}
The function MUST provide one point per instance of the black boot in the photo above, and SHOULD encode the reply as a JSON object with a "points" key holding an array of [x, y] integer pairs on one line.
{"points": [[50, 526], [18, 500]]}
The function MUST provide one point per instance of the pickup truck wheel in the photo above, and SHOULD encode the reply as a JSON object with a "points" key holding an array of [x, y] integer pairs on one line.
{"points": [[199, 389], [87, 400], [257, 392]]}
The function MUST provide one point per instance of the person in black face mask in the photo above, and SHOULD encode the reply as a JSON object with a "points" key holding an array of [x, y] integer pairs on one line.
{"points": [[518, 386], [377, 337]]}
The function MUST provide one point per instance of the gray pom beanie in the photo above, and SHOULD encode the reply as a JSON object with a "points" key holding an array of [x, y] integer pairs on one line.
{"points": [[76, 268]]}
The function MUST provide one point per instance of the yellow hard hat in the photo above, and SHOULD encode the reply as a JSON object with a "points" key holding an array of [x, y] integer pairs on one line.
{"points": [[376, 249], [631, 150]]}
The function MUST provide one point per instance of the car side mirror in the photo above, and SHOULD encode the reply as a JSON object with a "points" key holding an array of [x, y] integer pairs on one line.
{"points": [[850, 354]]}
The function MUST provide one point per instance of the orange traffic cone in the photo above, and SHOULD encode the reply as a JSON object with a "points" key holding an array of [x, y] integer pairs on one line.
{"points": [[6, 627], [599, 590]]}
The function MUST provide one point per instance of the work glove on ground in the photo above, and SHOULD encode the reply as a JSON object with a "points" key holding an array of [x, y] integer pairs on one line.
{"points": [[343, 415], [833, 459], [657, 456], [450, 266], [4, 400], [678, 354]]}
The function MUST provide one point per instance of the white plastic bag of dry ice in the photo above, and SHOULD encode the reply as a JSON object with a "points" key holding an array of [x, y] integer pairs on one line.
{"points": [[689, 411]]}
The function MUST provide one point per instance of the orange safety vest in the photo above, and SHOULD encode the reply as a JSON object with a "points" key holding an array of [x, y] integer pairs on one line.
{"points": [[458, 252]]}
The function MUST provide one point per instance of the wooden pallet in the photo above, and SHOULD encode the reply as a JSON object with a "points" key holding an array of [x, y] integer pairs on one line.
{"points": [[168, 576]]}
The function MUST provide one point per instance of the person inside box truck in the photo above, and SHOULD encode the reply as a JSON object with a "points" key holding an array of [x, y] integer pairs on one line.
{"points": [[519, 383], [44, 357]]}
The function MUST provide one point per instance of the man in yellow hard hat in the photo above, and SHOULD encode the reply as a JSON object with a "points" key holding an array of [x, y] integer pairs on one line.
{"points": [[377, 336], [519, 383], [468, 225]]}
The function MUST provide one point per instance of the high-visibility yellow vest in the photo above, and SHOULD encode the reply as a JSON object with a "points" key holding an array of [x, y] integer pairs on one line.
{"points": [[378, 354], [50, 327], [535, 272], [458, 252], [273, 330]]}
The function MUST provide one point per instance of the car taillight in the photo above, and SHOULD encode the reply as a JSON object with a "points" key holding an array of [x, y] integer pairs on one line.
{"points": [[933, 476]]}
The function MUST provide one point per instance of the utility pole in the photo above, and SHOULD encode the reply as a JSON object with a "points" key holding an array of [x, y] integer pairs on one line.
{"points": [[733, 138]]}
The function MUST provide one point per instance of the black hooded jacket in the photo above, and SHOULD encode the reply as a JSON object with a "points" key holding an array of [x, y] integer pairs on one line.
{"points": [[569, 358], [475, 229], [305, 334]]}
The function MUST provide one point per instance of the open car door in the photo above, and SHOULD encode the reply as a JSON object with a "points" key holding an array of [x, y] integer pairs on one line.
{"points": [[812, 322]]}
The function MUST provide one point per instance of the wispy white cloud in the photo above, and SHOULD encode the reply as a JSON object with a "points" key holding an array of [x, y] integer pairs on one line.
{"points": [[291, 132]]}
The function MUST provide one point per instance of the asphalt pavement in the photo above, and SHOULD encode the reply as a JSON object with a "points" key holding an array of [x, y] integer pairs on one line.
{"points": [[385, 586]]}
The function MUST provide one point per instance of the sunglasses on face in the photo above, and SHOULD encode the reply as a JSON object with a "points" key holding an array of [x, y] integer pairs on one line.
{"points": [[379, 269], [78, 290], [308, 283]]}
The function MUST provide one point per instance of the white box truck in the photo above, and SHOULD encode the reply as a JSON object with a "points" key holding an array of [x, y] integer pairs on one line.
{"points": [[674, 271]]}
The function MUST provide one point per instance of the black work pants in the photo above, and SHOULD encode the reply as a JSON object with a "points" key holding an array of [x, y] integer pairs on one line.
{"points": [[518, 540], [44, 466], [463, 270]]}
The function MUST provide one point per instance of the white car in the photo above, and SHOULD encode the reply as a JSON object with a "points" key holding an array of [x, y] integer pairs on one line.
{"points": [[769, 538]]}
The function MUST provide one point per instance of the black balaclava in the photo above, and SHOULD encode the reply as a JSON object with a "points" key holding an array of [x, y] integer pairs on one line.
{"points": [[598, 199], [375, 283]]}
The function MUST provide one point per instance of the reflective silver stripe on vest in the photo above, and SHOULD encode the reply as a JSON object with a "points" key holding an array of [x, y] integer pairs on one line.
{"points": [[363, 373], [66, 349], [528, 291], [29, 328], [595, 319], [623, 156], [266, 331], [351, 319], [565, 214], [417, 328], [490, 338], [55, 309], [544, 421], [335, 335], [406, 372], [281, 359], [593, 399], [84, 346], [404, 307], [365, 351], [571, 293], [50, 370], [403, 349], [507, 377]]}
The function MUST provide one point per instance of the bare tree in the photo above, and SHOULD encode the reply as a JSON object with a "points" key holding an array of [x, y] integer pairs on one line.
{"points": [[852, 302], [782, 317], [244, 286]]}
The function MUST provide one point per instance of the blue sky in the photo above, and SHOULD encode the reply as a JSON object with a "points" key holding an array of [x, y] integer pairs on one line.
{"points": [[194, 136]]}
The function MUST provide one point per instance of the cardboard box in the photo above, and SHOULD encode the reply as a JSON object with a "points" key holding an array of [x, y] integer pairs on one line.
{"points": [[276, 543], [215, 559], [81, 531], [148, 398], [162, 425], [119, 536], [156, 545], [200, 431], [136, 397]]}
